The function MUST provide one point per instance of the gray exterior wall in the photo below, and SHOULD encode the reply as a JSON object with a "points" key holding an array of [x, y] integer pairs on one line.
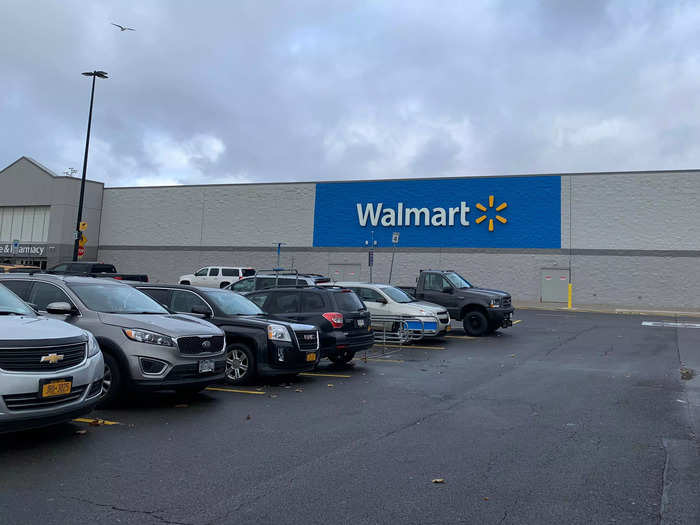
{"points": [[635, 238], [28, 183]]}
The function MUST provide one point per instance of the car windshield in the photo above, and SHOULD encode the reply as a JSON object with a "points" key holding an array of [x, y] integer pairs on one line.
{"points": [[10, 304], [457, 280], [116, 299], [397, 295], [233, 304]]}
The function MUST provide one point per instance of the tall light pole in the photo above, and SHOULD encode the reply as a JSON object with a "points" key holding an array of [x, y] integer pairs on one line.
{"points": [[93, 74]]}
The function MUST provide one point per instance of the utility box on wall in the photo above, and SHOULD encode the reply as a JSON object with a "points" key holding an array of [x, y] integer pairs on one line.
{"points": [[344, 272], [554, 285]]}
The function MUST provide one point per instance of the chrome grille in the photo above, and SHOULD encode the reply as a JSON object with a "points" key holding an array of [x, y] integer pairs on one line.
{"points": [[33, 401], [29, 359], [308, 340], [506, 302]]}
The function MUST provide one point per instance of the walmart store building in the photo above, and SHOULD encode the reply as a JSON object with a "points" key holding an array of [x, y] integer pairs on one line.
{"points": [[624, 239]]}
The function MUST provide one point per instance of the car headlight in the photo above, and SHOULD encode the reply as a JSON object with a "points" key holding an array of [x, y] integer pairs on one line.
{"points": [[151, 338], [93, 347], [495, 303], [277, 332]]}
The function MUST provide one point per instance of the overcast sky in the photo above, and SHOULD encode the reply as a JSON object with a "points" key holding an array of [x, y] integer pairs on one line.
{"points": [[214, 91]]}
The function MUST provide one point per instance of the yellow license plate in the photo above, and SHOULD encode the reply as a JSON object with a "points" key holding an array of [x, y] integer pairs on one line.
{"points": [[448, 328], [311, 357], [57, 388]]}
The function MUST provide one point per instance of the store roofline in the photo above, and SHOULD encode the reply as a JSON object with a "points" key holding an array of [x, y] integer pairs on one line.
{"points": [[347, 181], [46, 170]]}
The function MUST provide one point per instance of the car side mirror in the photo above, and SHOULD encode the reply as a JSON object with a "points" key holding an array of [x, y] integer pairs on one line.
{"points": [[60, 308], [382, 300], [447, 289], [200, 309]]}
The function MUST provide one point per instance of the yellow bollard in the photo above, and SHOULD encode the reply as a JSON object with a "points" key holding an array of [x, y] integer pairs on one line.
{"points": [[570, 291]]}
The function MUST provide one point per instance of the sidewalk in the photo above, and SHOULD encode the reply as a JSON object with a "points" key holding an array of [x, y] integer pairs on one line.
{"points": [[607, 309]]}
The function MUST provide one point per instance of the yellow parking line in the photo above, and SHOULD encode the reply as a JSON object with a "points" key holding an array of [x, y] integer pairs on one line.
{"points": [[414, 346], [235, 391], [95, 421], [323, 375], [517, 321], [460, 337]]}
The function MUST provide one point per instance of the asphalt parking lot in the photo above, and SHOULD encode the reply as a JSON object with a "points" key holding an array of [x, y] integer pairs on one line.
{"points": [[563, 418]]}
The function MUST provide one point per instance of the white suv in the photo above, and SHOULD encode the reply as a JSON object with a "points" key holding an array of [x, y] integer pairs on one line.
{"points": [[216, 276]]}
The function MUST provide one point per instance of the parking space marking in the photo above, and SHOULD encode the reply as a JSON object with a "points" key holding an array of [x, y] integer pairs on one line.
{"points": [[384, 360], [315, 374], [460, 337], [235, 391], [96, 422], [517, 321], [414, 347], [664, 324]]}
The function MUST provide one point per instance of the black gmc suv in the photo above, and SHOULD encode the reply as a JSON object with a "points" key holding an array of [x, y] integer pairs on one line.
{"points": [[256, 343], [341, 316]]}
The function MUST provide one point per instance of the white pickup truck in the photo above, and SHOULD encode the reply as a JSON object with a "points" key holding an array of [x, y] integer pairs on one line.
{"points": [[216, 276]]}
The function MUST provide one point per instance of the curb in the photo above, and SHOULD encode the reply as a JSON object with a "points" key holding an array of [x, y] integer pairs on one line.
{"points": [[611, 311]]}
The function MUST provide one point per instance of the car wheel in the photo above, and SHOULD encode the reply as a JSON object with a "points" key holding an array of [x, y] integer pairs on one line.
{"points": [[224, 285], [342, 358], [240, 364], [184, 282], [475, 323], [113, 382]]}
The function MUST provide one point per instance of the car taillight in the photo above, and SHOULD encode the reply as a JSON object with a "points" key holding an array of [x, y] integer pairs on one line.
{"points": [[118, 278], [335, 318]]}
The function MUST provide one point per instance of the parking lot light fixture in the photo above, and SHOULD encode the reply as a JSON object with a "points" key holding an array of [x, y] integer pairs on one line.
{"points": [[78, 233]]}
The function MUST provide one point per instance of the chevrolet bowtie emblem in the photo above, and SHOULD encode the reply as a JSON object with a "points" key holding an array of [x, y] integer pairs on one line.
{"points": [[52, 358]]}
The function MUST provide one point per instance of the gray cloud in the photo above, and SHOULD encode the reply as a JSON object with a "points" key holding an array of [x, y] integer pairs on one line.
{"points": [[307, 90]]}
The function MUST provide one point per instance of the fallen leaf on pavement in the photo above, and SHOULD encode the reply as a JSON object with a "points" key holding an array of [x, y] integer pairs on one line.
{"points": [[486, 499], [81, 432], [299, 390], [330, 385], [439, 480]]}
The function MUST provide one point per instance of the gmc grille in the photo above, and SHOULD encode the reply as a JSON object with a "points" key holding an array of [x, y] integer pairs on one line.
{"points": [[307, 340], [198, 345], [33, 401], [506, 302], [29, 359]]}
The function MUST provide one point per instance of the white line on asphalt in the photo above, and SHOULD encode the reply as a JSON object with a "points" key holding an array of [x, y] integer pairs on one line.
{"points": [[664, 324]]}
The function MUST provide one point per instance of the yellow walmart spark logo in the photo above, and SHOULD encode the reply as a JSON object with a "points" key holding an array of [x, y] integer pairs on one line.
{"points": [[500, 207]]}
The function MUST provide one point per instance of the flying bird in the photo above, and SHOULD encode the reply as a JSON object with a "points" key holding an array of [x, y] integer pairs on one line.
{"points": [[124, 28]]}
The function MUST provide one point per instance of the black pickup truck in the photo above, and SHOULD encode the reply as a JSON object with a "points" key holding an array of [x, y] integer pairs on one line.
{"points": [[95, 269], [481, 311]]}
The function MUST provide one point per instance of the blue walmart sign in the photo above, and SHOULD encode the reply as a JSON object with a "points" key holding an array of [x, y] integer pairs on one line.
{"points": [[495, 212]]}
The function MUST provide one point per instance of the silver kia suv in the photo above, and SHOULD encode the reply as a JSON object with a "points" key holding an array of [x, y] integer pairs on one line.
{"points": [[50, 371], [144, 346]]}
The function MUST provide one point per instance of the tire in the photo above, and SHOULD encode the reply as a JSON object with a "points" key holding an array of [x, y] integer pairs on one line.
{"points": [[113, 382], [184, 282], [224, 285], [342, 358], [475, 323], [239, 356]]}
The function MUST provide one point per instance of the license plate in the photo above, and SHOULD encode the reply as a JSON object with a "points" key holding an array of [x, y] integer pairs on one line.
{"points": [[360, 322], [206, 365], [448, 328], [56, 388], [311, 356]]}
